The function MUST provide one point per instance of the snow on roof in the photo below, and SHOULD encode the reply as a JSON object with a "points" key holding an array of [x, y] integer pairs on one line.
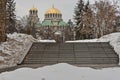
{"points": [[62, 71], [58, 33]]}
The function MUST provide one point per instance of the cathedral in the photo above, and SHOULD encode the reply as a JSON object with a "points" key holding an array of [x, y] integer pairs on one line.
{"points": [[52, 27]]}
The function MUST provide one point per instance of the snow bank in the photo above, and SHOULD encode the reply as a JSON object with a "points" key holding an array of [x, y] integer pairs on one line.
{"points": [[14, 49], [62, 72]]}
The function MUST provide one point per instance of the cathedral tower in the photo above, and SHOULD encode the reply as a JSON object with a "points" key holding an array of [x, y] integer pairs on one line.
{"points": [[54, 15], [33, 15], [32, 21]]}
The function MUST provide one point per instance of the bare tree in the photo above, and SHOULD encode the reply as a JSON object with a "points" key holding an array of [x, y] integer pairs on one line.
{"points": [[97, 19], [105, 16]]}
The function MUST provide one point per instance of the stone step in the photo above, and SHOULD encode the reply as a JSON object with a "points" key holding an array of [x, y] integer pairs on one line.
{"points": [[74, 62], [74, 53], [84, 61]]}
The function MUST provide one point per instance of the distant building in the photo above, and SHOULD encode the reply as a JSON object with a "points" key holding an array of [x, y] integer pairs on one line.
{"points": [[32, 21], [51, 25], [33, 15]]}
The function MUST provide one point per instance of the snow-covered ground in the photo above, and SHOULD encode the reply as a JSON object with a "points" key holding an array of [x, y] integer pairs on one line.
{"points": [[17, 45], [13, 51], [62, 71]]}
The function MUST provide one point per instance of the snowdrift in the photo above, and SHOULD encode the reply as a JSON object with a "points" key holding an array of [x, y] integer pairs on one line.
{"points": [[62, 71]]}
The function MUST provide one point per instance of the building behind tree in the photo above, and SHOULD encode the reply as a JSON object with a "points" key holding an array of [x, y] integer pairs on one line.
{"points": [[49, 28]]}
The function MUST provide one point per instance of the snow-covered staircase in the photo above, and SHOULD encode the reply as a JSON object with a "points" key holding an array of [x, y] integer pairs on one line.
{"points": [[72, 53], [96, 55]]}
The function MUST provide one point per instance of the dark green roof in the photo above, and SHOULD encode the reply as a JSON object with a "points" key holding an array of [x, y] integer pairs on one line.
{"points": [[47, 23], [62, 23]]}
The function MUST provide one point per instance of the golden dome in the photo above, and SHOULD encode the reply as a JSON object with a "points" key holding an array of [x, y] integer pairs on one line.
{"points": [[53, 11], [33, 9]]}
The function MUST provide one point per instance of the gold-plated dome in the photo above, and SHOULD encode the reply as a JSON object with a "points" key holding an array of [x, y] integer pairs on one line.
{"points": [[33, 9], [53, 11]]}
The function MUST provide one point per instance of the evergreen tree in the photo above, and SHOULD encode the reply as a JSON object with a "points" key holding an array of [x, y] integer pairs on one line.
{"points": [[79, 10], [11, 17], [83, 17]]}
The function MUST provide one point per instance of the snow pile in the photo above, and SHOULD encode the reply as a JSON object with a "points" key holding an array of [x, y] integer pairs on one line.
{"points": [[20, 37], [62, 72], [14, 49]]}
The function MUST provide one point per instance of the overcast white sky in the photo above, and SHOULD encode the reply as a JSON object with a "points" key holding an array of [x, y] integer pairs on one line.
{"points": [[65, 6]]}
